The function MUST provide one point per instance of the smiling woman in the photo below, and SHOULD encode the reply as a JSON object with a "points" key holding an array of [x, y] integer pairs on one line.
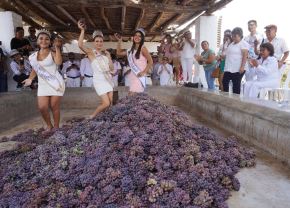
{"points": [[51, 85]]}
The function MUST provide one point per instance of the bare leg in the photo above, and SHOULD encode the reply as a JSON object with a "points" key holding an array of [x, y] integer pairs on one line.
{"points": [[55, 107], [105, 104], [43, 106], [110, 95]]}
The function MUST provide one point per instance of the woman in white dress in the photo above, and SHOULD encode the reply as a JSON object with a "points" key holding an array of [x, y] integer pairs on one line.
{"points": [[267, 72], [102, 66], [51, 85]]}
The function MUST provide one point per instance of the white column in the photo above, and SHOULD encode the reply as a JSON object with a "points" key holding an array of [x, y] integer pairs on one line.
{"points": [[9, 21], [205, 29]]}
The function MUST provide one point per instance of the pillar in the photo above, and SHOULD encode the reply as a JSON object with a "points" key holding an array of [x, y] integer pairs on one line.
{"points": [[205, 29], [8, 22]]}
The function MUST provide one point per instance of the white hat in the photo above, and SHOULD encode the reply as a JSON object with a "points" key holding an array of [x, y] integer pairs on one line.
{"points": [[141, 30], [97, 33], [13, 52], [43, 31]]}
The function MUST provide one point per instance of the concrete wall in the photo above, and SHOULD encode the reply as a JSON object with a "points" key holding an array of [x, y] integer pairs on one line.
{"points": [[268, 129]]}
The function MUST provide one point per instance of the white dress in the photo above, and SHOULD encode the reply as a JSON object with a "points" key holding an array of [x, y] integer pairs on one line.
{"points": [[101, 84], [44, 89]]}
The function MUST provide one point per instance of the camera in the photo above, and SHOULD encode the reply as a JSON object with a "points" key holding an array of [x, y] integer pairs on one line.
{"points": [[21, 61]]}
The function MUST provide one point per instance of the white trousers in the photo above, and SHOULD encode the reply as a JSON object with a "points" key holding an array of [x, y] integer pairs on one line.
{"points": [[87, 82], [187, 64], [253, 88], [70, 82]]}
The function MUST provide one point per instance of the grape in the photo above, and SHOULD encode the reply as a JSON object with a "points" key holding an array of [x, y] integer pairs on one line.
{"points": [[138, 153]]}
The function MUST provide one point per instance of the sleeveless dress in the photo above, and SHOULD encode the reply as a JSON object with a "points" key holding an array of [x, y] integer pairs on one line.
{"points": [[134, 82], [101, 84], [44, 89]]}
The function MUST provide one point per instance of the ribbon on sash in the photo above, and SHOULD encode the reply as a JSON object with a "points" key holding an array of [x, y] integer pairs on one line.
{"points": [[53, 80], [135, 69], [104, 67]]}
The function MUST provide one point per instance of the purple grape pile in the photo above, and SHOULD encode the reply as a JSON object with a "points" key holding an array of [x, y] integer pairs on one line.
{"points": [[139, 153]]}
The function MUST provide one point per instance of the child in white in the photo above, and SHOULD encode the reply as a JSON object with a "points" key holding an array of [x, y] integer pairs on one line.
{"points": [[165, 71]]}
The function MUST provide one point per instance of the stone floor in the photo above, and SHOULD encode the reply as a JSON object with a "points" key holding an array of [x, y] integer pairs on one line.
{"points": [[265, 186]]}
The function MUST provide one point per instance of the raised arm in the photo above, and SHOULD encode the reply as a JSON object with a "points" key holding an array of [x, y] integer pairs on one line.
{"points": [[120, 52], [57, 57]]}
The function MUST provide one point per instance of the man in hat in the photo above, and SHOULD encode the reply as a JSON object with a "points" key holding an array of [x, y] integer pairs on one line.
{"points": [[281, 49], [20, 68], [187, 48]]}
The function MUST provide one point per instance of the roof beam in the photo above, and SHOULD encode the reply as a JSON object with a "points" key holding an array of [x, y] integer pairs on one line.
{"points": [[155, 22], [218, 6], [84, 11], [161, 7], [142, 13], [164, 26], [67, 14], [123, 18], [152, 6], [38, 5], [105, 18]]}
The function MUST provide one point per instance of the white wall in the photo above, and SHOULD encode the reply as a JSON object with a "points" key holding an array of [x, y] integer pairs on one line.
{"points": [[73, 47], [8, 21]]}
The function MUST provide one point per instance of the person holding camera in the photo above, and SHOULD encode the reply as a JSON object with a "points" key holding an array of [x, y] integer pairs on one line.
{"points": [[187, 48], [20, 68]]}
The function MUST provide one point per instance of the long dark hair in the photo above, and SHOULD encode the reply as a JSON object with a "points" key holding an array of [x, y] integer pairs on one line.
{"points": [[137, 55]]}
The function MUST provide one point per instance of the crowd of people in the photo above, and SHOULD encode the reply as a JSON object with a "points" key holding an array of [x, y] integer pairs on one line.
{"points": [[37, 61]]}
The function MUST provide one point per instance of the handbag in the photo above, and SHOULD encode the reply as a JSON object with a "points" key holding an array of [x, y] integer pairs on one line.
{"points": [[215, 73]]}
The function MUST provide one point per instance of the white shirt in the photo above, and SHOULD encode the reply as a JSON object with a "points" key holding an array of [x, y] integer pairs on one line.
{"points": [[280, 47], [73, 72], [250, 39], [117, 67], [267, 69], [234, 56], [187, 51], [127, 80], [16, 68], [86, 68]]}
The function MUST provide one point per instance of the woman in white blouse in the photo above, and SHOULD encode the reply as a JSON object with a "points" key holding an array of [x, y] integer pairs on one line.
{"points": [[267, 72], [236, 59]]}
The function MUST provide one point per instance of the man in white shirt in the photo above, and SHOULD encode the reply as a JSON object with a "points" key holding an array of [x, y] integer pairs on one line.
{"points": [[86, 72], [254, 39], [281, 52], [165, 71], [20, 68], [187, 48], [71, 70]]}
